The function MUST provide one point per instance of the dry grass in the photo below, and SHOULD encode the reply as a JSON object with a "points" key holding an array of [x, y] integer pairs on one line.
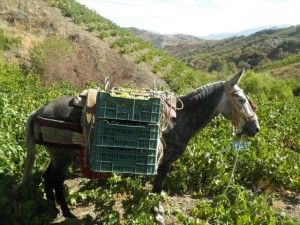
{"points": [[92, 59]]}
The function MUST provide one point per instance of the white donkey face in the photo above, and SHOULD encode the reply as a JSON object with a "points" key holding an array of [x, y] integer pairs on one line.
{"points": [[237, 107], [243, 112], [244, 103]]}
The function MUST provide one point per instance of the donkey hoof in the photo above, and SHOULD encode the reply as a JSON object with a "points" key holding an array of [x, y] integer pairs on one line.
{"points": [[54, 210], [159, 214]]}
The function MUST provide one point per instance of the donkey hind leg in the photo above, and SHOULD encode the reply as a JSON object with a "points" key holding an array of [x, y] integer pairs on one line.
{"points": [[49, 188], [54, 177], [171, 154]]}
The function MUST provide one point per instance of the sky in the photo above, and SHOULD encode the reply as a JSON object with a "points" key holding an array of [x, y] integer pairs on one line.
{"points": [[197, 17]]}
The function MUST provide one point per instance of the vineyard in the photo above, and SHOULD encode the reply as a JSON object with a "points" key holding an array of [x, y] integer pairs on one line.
{"points": [[216, 183]]}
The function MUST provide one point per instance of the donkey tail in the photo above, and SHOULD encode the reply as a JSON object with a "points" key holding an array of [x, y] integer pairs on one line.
{"points": [[30, 147]]}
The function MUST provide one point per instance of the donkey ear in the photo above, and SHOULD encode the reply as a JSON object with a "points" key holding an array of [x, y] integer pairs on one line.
{"points": [[236, 78]]}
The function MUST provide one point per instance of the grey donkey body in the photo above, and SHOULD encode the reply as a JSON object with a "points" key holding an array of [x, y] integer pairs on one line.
{"points": [[200, 107]]}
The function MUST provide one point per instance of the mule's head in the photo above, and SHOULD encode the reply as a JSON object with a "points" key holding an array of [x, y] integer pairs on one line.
{"points": [[238, 107]]}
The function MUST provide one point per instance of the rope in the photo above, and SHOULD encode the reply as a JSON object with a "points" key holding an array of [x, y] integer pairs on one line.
{"points": [[232, 173], [234, 164], [106, 84], [182, 105]]}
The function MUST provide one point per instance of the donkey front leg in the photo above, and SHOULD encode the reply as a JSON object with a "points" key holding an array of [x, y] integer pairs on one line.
{"points": [[159, 178], [170, 155]]}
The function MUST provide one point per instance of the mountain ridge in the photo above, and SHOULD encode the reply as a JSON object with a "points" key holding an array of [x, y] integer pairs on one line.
{"points": [[246, 32], [228, 55]]}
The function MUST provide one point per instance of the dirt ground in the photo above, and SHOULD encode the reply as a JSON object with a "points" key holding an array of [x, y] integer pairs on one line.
{"points": [[287, 203], [184, 203]]}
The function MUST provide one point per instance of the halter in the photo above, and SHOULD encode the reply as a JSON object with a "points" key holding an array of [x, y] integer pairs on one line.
{"points": [[236, 111]]}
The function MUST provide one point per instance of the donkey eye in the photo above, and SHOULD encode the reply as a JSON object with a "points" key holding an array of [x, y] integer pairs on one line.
{"points": [[236, 95], [239, 98], [242, 100]]}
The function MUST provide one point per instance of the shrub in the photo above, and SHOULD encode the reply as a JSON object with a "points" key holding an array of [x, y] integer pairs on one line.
{"points": [[266, 85], [49, 53], [6, 43]]}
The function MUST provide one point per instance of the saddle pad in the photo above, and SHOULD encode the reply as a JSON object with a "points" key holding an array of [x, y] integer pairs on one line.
{"points": [[58, 133]]}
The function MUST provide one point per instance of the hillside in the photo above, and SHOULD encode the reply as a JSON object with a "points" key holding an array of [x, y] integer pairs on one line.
{"points": [[93, 47], [66, 50], [250, 52]]}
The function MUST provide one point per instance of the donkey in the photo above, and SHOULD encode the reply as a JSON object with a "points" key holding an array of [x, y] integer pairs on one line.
{"points": [[200, 107]]}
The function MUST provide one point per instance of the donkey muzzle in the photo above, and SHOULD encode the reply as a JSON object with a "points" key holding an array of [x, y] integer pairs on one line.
{"points": [[251, 128]]}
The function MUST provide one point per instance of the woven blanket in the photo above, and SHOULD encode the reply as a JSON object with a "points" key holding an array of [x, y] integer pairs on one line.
{"points": [[65, 134]]}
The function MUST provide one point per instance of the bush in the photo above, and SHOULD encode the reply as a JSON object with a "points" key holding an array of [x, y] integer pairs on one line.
{"points": [[267, 86], [237, 206], [6, 43], [49, 53]]}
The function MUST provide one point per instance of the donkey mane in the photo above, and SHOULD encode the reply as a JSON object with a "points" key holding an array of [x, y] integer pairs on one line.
{"points": [[199, 107], [199, 95]]}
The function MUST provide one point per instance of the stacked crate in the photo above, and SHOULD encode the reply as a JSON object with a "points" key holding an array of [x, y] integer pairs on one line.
{"points": [[125, 135]]}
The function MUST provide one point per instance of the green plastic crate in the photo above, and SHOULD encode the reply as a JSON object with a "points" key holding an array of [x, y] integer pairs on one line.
{"points": [[120, 160], [124, 148], [125, 136], [118, 108]]}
